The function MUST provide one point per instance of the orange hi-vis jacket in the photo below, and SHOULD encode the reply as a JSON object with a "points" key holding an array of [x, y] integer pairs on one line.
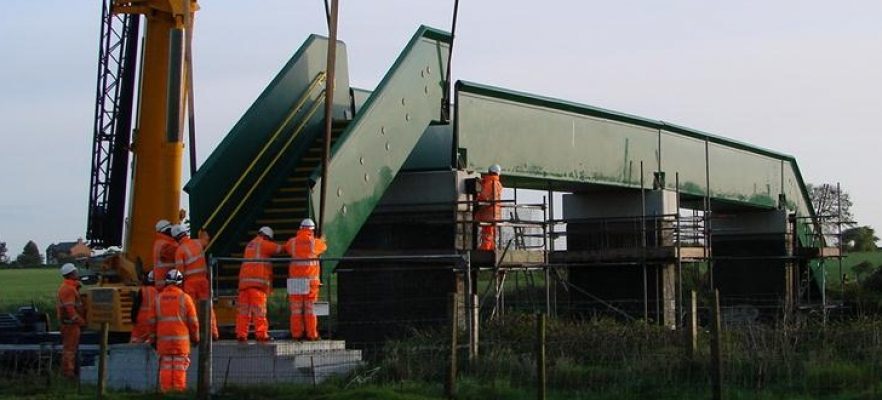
{"points": [[258, 274], [190, 260], [69, 307], [146, 315], [164, 248], [491, 190], [176, 323], [305, 245]]}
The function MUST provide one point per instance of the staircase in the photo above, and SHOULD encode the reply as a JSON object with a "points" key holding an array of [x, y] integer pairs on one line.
{"points": [[289, 204], [263, 160], [277, 178]]}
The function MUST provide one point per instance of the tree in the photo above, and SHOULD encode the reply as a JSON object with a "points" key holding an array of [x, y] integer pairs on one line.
{"points": [[861, 238], [30, 256], [832, 206], [862, 269], [3, 257]]}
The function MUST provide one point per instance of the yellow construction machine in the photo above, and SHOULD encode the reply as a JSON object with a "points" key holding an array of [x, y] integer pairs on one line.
{"points": [[155, 143]]}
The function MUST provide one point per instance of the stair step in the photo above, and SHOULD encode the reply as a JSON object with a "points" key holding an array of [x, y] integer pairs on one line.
{"points": [[289, 348], [277, 233], [293, 189], [281, 210], [320, 358], [295, 199], [279, 221]]}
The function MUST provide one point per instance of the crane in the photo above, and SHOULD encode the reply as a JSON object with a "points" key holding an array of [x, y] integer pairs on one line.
{"points": [[156, 142]]}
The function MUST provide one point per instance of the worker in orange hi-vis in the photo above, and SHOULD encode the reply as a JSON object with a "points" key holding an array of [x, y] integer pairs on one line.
{"points": [[164, 247], [71, 316], [176, 327], [303, 280], [144, 312], [489, 210], [190, 261], [255, 284]]}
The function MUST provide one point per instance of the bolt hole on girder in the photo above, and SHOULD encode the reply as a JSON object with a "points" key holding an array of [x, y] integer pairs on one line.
{"points": [[388, 146], [403, 101], [407, 117], [367, 177], [382, 130], [339, 192], [361, 160]]}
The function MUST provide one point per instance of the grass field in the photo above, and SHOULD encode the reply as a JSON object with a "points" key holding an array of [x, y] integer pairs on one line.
{"points": [[19, 287], [848, 262]]}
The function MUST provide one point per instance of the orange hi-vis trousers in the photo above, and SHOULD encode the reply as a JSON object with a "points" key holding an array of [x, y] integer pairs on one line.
{"points": [[252, 309], [303, 314], [197, 288], [173, 372], [70, 341]]}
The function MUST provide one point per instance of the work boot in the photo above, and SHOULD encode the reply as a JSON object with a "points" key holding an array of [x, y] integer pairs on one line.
{"points": [[242, 340], [265, 340], [314, 339]]}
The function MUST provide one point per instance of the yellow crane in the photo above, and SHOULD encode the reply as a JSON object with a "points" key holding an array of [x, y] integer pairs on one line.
{"points": [[156, 146]]}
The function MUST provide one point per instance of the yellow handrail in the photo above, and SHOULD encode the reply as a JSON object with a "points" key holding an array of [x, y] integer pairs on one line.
{"points": [[310, 113], [319, 78]]}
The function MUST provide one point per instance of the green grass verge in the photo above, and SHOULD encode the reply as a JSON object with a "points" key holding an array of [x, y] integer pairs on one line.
{"points": [[23, 286], [848, 262]]}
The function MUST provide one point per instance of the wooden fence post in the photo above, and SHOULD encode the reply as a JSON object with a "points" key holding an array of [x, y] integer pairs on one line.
{"points": [[102, 361], [203, 385], [450, 382], [540, 355], [716, 342], [692, 331]]}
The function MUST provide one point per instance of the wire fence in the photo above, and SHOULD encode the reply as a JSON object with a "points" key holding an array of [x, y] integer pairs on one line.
{"points": [[600, 357]]}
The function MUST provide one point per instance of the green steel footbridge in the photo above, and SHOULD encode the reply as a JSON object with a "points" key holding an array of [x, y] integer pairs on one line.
{"points": [[266, 171]]}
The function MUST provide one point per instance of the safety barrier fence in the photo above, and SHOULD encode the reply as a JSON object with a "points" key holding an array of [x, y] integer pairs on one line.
{"points": [[591, 358]]}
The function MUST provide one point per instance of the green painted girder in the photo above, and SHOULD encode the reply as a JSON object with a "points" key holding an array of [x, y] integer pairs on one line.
{"points": [[539, 140], [382, 135], [215, 180]]}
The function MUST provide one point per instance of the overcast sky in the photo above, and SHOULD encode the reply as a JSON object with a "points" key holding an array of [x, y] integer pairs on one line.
{"points": [[800, 77]]}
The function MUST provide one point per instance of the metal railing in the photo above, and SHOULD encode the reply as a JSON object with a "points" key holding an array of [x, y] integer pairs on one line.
{"points": [[316, 82]]}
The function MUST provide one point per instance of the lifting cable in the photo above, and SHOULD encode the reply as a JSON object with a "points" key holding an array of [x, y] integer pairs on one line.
{"points": [[328, 14], [330, 66], [445, 101]]}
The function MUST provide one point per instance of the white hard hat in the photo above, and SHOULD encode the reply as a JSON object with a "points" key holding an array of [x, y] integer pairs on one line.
{"points": [[307, 223], [178, 230], [174, 277], [495, 169], [150, 278], [266, 231], [162, 225], [67, 268]]}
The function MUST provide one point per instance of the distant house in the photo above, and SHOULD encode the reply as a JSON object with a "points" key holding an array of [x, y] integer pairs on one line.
{"points": [[64, 251]]}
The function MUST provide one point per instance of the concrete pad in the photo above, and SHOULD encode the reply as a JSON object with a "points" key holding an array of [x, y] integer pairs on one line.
{"points": [[135, 366]]}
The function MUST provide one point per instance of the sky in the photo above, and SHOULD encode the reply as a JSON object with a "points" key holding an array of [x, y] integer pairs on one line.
{"points": [[801, 77]]}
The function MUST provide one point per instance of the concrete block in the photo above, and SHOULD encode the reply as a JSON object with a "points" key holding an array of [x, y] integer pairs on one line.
{"points": [[326, 358], [135, 366]]}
